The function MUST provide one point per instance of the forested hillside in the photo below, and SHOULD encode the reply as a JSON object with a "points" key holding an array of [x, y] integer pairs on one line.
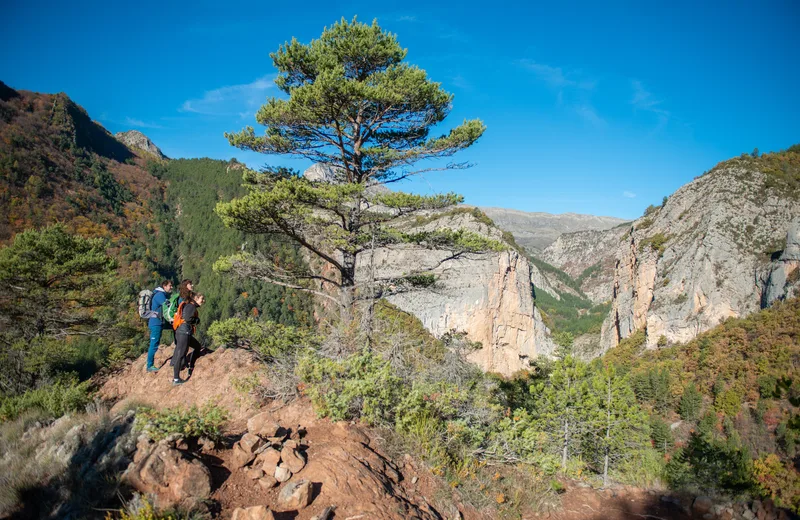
{"points": [[192, 238], [124, 222], [732, 398]]}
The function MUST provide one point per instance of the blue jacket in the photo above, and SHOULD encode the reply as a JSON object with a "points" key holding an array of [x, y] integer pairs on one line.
{"points": [[159, 297]]}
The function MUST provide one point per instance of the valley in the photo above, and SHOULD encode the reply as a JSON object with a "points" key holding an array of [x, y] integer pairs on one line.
{"points": [[362, 352]]}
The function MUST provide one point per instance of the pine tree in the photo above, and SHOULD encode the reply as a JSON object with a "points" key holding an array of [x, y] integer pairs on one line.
{"points": [[691, 403], [563, 407], [357, 108], [620, 425], [53, 285]]}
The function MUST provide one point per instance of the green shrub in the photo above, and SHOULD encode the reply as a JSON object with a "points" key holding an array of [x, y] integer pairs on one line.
{"points": [[54, 400], [657, 242], [191, 423], [360, 386], [644, 468], [729, 402], [268, 339]]}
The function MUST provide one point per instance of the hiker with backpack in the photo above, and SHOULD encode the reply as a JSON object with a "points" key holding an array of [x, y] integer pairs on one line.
{"points": [[185, 324], [156, 318]]}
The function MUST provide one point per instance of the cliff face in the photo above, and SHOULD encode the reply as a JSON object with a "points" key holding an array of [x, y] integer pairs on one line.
{"points": [[705, 255], [589, 258], [488, 296]]}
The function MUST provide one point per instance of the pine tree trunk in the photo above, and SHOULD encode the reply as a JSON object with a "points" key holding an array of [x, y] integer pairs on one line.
{"points": [[346, 294], [565, 449]]}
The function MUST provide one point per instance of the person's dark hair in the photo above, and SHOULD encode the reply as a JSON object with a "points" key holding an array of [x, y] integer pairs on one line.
{"points": [[184, 291], [164, 283], [196, 295]]}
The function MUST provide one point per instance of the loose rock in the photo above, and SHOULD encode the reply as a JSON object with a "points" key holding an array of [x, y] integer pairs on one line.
{"points": [[267, 482], [295, 495], [282, 474], [268, 460], [263, 425], [253, 513], [254, 473], [244, 450], [292, 459]]}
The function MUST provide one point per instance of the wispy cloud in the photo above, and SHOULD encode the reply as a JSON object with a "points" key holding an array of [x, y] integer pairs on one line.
{"points": [[629, 194], [589, 114], [230, 100], [138, 123], [406, 18], [461, 82], [556, 77], [573, 89], [645, 100]]}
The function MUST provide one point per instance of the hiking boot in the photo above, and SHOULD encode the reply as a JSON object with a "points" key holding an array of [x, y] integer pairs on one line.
{"points": [[176, 382], [152, 369]]}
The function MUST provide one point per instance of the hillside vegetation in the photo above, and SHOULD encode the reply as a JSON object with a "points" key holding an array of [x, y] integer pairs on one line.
{"points": [[736, 389]]}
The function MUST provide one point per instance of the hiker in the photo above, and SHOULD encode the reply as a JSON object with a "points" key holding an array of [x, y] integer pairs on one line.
{"points": [[156, 321], [185, 288], [185, 323]]}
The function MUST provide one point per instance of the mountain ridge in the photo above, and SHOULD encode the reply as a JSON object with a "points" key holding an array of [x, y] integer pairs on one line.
{"points": [[536, 230]]}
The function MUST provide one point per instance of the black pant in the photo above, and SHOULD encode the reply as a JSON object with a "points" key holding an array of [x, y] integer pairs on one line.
{"points": [[183, 340]]}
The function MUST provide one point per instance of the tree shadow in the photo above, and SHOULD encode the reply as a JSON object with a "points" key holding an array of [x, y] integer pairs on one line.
{"points": [[651, 507], [90, 481]]}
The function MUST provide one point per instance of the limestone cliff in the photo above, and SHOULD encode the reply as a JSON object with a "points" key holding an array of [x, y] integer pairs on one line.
{"points": [[782, 278], [488, 296], [702, 257]]}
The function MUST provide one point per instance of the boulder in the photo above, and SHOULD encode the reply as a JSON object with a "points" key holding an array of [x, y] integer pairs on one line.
{"points": [[253, 513], [282, 474], [172, 476], [268, 460], [701, 506], [254, 473], [295, 495], [244, 451], [250, 442], [267, 482], [293, 459], [264, 426]]}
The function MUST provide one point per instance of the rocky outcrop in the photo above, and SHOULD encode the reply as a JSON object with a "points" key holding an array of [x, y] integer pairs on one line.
{"points": [[697, 260], [536, 231], [783, 275], [136, 139], [589, 257], [174, 477]]}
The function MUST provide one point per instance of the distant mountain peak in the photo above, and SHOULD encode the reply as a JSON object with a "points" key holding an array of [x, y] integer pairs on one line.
{"points": [[136, 139], [536, 230]]}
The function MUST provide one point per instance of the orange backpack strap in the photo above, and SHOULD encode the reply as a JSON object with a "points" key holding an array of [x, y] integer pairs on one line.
{"points": [[178, 321]]}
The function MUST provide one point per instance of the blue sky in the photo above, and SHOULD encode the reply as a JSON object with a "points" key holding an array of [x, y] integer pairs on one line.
{"points": [[592, 107]]}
